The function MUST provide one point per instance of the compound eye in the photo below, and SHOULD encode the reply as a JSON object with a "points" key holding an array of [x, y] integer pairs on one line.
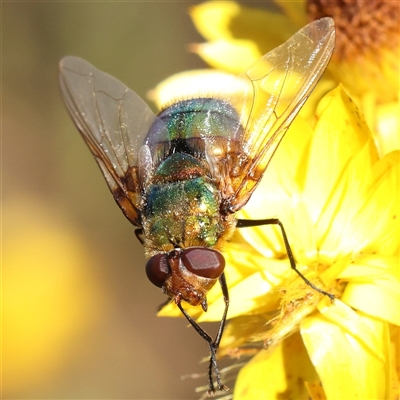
{"points": [[157, 269], [204, 262]]}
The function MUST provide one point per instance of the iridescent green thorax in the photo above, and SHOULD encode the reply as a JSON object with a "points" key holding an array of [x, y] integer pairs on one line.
{"points": [[187, 126], [200, 118]]}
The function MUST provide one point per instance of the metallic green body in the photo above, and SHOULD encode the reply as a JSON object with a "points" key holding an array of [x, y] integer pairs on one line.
{"points": [[182, 213], [181, 205]]}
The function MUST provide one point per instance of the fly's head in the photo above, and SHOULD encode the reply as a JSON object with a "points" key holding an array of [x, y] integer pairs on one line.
{"points": [[186, 274]]}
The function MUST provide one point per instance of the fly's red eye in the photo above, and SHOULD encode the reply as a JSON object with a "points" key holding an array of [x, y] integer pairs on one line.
{"points": [[204, 262], [157, 269]]}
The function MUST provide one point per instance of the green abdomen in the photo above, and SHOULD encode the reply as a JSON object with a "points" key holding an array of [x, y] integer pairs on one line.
{"points": [[182, 207]]}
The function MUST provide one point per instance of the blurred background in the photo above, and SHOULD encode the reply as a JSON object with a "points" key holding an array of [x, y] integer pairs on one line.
{"points": [[79, 315]]}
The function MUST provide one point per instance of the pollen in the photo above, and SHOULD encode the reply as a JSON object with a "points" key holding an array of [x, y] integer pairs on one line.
{"points": [[361, 26]]}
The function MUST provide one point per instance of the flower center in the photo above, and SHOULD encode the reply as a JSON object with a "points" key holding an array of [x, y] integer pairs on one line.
{"points": [[361, 26]]}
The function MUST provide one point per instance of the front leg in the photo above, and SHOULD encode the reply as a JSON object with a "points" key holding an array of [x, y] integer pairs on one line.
{"points": [[213, 344]]}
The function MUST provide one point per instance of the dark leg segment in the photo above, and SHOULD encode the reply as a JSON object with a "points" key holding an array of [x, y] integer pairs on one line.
{"points": [[243, 223], [213, 344], [139, 235]]}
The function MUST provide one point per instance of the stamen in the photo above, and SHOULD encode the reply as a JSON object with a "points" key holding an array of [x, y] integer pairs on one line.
{"points": [[361, 26]]}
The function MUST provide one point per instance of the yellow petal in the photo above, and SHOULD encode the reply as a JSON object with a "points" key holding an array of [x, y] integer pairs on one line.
{"points": [[388, 127], [324, 86], [244, 298], [295, 10], [378, 219], [250, 292], [380, 299], [340, 134], [372, 266], [278, 374], [171, 310], [216, 20], [355, 323], [212, 19], [395, 375], [233, 56], [348, 368], [384, 121], [195, 83], [371, 72], [336, 226], [279, 196]]}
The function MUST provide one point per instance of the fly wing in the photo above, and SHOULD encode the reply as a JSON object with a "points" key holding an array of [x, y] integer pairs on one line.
{"points": [[275, 89], [113, 121]]}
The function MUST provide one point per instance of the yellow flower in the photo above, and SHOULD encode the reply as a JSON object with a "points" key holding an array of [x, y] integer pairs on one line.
{"points": [[339, 203], [334, 183], [365, 59]]}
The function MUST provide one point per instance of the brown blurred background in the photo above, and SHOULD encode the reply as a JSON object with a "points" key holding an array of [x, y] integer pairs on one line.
{"points": [[79, 315]]}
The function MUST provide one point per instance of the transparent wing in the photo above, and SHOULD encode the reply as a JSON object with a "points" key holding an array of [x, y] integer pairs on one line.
{"points": [[113, 121], [275, 88]]}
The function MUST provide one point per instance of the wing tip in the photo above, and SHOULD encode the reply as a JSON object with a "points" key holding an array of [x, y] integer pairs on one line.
{"points": [[325, 24]]}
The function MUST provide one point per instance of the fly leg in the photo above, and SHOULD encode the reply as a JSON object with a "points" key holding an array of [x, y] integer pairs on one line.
{"points": [[213, 344], [139, 235], [225, 293], [213, 359], [243, 223]]}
